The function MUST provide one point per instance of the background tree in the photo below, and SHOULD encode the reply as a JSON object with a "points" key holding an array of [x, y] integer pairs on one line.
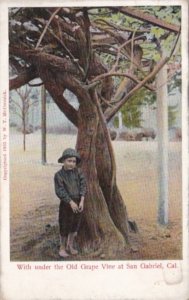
{"points": [[132, 110], [22, 110], [99, 55]]}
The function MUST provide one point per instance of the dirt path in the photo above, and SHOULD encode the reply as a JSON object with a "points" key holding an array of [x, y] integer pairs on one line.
{"points": [[34, 206]]}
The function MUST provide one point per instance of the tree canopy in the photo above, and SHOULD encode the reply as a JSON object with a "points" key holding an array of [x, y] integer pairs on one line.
{"points": [[118, 49]]}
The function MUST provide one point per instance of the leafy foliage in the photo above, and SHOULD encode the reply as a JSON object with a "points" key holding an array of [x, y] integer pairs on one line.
{"points": [[172, 115], [132, 110], [111, 32]]}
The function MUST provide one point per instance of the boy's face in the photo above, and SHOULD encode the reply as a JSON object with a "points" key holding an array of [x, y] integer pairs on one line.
{"points": [[70, 163]]}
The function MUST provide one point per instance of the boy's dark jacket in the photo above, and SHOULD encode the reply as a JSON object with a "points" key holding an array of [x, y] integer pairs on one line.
{"points": [[69, 184]]}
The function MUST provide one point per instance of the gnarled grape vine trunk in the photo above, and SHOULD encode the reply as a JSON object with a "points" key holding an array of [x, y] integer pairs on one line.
{"points": [[104, 226]]}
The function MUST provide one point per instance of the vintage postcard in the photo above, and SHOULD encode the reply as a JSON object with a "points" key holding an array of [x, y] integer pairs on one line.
{"points": [[94, 150]]}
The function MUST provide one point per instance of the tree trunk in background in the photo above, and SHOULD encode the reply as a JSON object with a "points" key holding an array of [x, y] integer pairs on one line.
{"points": [[24, 129], [120, 119], [43, 125], [162, 122]]}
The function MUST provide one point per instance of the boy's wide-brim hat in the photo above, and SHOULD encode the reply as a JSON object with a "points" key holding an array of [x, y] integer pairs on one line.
{"points": [[69, 153]]}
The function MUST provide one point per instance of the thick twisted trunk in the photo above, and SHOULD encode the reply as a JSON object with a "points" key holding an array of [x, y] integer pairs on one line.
{"points": [[107, 180], [98, 230]]}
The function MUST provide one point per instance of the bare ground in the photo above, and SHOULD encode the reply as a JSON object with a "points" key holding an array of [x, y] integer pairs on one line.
{"points": [[34, 206]]}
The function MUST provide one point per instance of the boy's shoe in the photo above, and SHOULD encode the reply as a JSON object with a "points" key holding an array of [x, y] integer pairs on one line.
{"points": [[63, 253]]}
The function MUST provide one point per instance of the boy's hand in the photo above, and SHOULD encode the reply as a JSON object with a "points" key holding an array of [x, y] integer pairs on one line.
{"points": [[81, 204], [74, 206]]}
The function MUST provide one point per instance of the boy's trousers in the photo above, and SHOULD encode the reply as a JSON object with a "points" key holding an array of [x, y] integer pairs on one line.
{"points": [[68, 220]]}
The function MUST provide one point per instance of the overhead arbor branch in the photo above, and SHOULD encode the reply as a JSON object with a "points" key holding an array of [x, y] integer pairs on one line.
{"points": [[125, 43], [22, 78], [110, 112], [121, 28], [120, 74], [79, 31], [65, 26], [38, 58], [138, 14], [46, 27], [68, 52]]}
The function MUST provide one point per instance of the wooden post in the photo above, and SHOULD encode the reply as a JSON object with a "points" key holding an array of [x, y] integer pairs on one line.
{"points": [[24, 127], [43, 125], [120, 120], [162, 135]]}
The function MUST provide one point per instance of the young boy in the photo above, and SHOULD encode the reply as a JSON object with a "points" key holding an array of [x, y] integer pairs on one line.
{"points": [[70, 187]]}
